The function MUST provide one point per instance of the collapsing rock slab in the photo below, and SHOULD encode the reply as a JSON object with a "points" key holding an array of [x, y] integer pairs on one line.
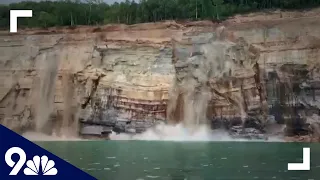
{"points": [[216, 77]]}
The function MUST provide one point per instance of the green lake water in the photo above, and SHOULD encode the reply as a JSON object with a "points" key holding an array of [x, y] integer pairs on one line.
{"points": [[143, 160]]}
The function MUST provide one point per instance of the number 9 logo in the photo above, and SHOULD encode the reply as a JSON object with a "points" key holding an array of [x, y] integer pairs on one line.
{"points": [[16, 166]]}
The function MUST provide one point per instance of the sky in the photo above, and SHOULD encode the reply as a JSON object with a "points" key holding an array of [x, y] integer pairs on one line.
{"points": [[12, 1]]}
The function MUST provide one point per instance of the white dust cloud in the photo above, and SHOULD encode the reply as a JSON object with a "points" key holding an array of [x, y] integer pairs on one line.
{"points": [[164, 132]]}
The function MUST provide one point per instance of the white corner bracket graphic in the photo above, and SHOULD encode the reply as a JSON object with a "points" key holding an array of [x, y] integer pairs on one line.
{"points": [[305, 165], [14, 14]]}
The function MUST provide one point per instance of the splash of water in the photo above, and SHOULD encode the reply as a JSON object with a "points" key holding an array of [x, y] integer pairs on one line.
{"points": [[181, 133]]}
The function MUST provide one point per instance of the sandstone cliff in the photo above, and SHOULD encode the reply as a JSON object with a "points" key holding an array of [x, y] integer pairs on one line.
{"points": [[92, 79]]}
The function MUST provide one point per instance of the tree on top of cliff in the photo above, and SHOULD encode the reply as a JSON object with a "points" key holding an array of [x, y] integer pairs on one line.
{"points": [[96, 12]]}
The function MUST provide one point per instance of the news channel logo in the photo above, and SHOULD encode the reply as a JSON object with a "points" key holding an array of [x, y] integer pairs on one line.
{"points": [[33, 166], [23, 159]]}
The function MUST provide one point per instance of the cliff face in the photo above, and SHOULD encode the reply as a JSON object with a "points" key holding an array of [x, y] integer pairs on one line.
{"points": [[222, 74], [122, 77], [52, 81]]}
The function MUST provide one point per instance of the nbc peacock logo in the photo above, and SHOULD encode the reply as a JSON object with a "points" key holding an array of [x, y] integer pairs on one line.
{"points": [[47, 166], [36, 166]]}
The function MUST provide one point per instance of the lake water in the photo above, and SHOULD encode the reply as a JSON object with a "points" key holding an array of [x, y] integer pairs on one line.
{"points": [[143, 160]]}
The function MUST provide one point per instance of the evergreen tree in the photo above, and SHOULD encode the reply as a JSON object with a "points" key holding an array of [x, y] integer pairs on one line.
{"points": [[96, 12]]}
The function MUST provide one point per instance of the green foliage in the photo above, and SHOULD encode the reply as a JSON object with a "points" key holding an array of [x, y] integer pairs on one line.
{"points": [[96, 12], [46, 19]]}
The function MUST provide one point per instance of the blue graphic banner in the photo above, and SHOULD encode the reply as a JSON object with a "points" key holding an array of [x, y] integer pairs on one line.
{"points": [[23, 159]]}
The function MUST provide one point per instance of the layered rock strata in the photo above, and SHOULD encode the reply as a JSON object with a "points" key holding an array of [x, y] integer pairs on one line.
{"points": [[122, 77], [223, 76], [59, 79]]}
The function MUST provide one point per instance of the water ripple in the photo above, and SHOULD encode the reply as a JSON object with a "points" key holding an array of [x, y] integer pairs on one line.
{"points": [[152, 177]]}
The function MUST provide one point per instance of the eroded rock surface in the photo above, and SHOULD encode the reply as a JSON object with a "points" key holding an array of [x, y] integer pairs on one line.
{"points": [[221, 74], [76, 77], [122, 77]]}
